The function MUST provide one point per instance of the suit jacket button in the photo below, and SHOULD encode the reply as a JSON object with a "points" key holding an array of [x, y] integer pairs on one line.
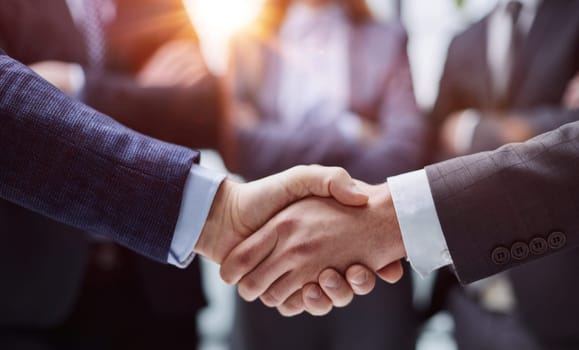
{"points": [[500, 256], [538, 246], [520, 251], [557, 240]]}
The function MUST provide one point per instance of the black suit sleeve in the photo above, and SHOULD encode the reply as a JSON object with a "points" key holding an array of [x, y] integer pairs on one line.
{"points": [[77, 166], [507, 207]]}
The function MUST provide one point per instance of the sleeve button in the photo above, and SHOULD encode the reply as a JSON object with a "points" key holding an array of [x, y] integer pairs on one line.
{"points": [[520, 251], [501, 256], [538, 246], [557, 240]]}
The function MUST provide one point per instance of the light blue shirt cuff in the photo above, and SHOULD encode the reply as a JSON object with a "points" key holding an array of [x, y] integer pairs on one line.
{"points": [[422, 235], [198, 194]]}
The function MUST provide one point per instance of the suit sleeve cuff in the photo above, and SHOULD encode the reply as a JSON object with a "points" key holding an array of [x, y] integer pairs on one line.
{"points": [[422, 235], [198, 194]]}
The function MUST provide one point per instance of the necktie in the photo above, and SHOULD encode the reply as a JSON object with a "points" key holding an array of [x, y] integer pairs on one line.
{"points": [[93, 28], [514, 9]]}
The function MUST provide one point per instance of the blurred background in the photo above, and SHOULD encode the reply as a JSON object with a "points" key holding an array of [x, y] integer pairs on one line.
{"points": [[378, 87]]}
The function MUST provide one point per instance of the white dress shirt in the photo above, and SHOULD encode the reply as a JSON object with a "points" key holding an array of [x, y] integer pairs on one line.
{"points": [[314, 69]]}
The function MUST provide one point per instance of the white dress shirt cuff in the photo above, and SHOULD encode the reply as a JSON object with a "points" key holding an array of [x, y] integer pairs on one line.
{"points": [[198, 194], [422, 235]]}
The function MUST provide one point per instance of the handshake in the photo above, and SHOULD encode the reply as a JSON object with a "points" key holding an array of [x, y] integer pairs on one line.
{"points": [[306, 239]]}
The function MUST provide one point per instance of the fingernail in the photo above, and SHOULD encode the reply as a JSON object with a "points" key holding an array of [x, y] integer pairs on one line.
{"points": [[360, 278], [314, 293], [332, 282]]}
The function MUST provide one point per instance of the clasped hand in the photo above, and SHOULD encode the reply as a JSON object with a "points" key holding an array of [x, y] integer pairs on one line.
{"points": [[306, 239]]}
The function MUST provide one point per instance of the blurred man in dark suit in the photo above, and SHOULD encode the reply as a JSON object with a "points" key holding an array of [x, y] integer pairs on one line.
{"points": [[138, 61], [504, 81]]}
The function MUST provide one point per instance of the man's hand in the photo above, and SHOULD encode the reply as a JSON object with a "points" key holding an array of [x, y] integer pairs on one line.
{"points": [[239, 210], [293, 249]]}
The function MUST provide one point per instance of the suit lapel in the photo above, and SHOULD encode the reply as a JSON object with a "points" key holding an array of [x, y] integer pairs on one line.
{"points": [[475, 66], [548, 16]]}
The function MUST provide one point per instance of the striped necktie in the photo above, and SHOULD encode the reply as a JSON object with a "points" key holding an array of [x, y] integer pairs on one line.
{"points": [[94, 34]]}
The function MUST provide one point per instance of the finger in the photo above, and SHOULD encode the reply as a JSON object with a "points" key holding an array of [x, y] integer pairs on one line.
{"points": [[247, 255], [336, 288], [314, 180], [293, 306], [391, 273], [282, 289], [315, 302], [361, 279], [258, 281]]}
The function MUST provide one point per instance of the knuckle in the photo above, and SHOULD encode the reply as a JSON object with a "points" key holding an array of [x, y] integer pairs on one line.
{"points": [[286, 226], [341, 172], [303, 248], [271, 298], [243, 259]]}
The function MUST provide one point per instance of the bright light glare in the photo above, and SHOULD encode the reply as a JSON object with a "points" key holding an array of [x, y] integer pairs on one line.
{"points": [[216, 21]]}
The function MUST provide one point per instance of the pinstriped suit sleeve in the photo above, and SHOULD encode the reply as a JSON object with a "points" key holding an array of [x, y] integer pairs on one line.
{"points": [[507, 207], [75, 165]]}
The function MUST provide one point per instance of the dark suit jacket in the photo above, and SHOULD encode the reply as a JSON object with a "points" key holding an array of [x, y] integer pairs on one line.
{"points": [[33, 31], [511, 206], [548, 60]]}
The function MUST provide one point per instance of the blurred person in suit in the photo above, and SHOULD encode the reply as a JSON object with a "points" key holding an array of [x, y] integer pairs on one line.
{"points": [[505, 80], [324, 82], [138, 61], [505, 77]]}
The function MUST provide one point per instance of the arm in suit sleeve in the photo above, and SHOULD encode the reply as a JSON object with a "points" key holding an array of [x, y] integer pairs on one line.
{"points": [[503, 208], [401, 125], [75, 165]]}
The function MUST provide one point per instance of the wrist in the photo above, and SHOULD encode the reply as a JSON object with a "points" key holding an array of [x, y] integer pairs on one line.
{"points": [[391, 246], [211, 240]]}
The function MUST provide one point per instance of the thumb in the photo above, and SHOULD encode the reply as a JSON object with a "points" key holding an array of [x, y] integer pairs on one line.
{"points": [[315, 180]]}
